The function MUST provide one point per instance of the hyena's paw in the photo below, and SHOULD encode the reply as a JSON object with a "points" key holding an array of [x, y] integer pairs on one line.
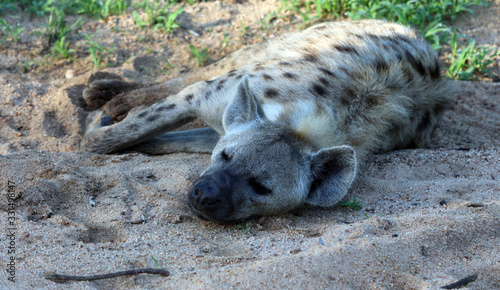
{"points": [[95, 121], [99, 92]]}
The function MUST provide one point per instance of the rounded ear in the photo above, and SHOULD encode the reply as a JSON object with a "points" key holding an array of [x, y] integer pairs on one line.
{"points": [[333, 170], [243, 109]]}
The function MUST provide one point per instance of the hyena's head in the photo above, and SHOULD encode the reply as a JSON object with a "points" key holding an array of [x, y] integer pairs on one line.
{"points": [[262, 168]]}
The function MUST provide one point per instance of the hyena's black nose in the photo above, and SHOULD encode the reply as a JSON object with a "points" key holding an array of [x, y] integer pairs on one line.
{"points": [[205, 195]]}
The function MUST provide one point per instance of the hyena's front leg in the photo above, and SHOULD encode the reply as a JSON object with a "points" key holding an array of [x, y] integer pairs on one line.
{"points": [[201, 140], [102, 136]]}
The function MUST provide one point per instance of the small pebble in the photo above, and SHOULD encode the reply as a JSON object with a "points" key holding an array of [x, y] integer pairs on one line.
{"points": [[70, 74]]}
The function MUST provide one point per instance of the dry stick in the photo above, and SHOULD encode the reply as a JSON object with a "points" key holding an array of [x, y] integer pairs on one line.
{"points": [[59, 277], [461, 282]]}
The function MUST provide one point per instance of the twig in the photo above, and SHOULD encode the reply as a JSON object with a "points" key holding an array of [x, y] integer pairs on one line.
{"points": [[461, 282], [60, 277]]}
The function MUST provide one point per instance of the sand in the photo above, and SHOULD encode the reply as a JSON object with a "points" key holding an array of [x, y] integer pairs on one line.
{"points": [[429, 216]]}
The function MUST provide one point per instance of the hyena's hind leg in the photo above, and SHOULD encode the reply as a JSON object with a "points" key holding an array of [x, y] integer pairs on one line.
{"points": [[117, 97]]}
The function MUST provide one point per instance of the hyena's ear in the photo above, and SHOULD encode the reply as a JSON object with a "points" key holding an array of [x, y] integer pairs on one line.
{"points": [[243, 109], [333, 170]]}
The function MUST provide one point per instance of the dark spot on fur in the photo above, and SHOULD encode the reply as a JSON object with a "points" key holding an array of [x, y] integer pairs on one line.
{"points": [[188, 98], [435, 70], [346, 71], [231, 73], [284, 63], [310, 57], [326, 72], [142, 114], [347, 96], [165, 108], [133, 126], [381, 66], [324, 82], [415, 63], [400, 37], [258, 67], [152, 118], [239, 77], [220, 85], [320, 27], [271, 93], [208, 95], [209, 82], [252, 76], [407, 74], [290, 76], [267, 77], [318, 90], [345, 48], [371, 100], [425, 122]]}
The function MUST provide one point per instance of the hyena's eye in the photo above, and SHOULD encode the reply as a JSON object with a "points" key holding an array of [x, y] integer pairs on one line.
{"points": [[258, 187], [224, 155]]}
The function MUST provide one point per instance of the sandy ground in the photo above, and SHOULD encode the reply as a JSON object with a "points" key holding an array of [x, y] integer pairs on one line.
{"points": [[430, 216]]}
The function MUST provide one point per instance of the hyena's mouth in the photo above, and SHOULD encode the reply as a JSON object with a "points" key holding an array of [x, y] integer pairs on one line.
{"points": [[211, 207]]}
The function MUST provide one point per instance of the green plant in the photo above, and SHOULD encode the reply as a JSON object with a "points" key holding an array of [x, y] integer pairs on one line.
{"points": [[168, 22], [156, 262], [200, 56], [266, 21], [140, 23], [96, 52], [354, 205], [13, 32], [436, 33], [296, 6], [101, 8], [4, 5], [225, 41], [245, 228], [57, 27], [471, 60], [244, 29], [61, 49], [25, 65]]}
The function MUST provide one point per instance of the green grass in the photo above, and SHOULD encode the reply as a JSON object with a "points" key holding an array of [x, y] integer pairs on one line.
{"points": [[158, 16], [57, 27], [167, 23], [12, 31], [245, 228], [61, 49], [469, 61], [200, 56], [354, 205], [96, 52], [93, 8], [429, 17]]}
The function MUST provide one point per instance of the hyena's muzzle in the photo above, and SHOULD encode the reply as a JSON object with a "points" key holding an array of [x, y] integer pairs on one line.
{"points": [[211, 197]]}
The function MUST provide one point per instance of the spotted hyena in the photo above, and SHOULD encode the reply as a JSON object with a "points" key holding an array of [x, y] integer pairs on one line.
{"points": [[290, 119]]}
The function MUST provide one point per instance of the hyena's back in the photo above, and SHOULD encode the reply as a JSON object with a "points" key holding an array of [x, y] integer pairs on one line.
{"points": [[373, 85]]}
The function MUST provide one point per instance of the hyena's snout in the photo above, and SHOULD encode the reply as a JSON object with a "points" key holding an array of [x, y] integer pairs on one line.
{"points": [[210, 196]]}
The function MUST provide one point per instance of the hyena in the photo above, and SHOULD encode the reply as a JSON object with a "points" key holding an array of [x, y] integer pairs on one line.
{"points": [[290, 119]]}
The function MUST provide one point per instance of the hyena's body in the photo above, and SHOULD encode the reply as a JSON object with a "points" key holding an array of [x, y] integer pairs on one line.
{"points": [[291, 117]]}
